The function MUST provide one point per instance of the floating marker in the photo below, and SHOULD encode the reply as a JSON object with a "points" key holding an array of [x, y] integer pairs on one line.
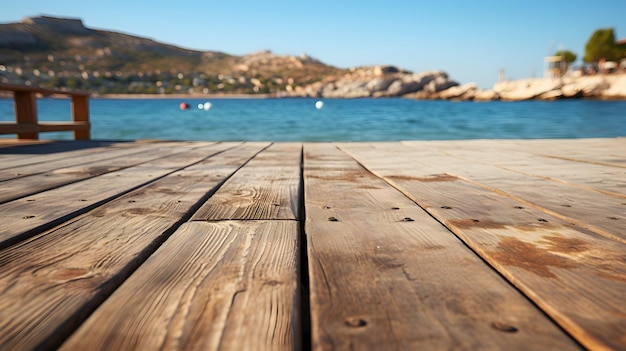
{"points": [[319, 104], [207, 106]]}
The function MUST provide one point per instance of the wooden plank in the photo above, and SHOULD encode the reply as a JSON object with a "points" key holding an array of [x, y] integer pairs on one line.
{"points": [[42, 152], [601, 177], [603, 151], [14, 128], [109, 162], [600, 212], [599, 151], [576, 276], [64, 126], [55, 162], [30, 215], [266, 188], [385, 275], [212, 286], [11, 142], [53, 281]]}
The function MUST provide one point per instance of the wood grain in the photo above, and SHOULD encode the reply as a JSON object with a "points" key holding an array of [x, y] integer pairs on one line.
{"points": [[598, 176], [265, 188], [411, 245], [51, 283], [576, 276], [233, 286], [600, 212], [32, 152], [386, 275], [29, 185], [50, 163], [32, 214]]}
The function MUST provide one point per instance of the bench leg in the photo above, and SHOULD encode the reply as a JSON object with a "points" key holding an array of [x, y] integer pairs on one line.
{"points": [[26, 112], [80, 113]]}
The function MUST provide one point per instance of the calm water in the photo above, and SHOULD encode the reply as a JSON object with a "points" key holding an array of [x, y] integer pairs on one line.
{"points": [[338, 120]]}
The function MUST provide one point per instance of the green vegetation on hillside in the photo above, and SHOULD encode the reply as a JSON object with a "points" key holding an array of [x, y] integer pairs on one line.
{"points": [[53, 53]]}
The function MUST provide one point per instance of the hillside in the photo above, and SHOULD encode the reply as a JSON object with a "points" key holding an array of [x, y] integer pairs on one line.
{"points": [[57, 52]]}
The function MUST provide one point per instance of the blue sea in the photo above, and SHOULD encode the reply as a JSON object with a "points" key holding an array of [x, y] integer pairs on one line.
{"points": [[337, 120]]}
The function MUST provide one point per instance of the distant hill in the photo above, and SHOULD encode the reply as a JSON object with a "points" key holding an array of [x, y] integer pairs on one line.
{"points": [[63, 53], [60, 52]]}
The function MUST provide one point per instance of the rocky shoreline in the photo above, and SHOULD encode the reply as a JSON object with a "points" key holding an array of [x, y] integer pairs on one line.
{"points": [[389, 81]]}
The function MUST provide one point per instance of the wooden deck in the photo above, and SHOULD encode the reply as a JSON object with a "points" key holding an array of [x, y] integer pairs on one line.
{"points": [[435, 245]]}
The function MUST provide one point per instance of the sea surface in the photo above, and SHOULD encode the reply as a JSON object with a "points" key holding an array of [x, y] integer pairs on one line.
{"points": [[337, 120]]}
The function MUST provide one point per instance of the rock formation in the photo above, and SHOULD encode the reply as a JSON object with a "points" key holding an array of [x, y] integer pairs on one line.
{"points": [[375, 81], [390, 81], [611, 86]]}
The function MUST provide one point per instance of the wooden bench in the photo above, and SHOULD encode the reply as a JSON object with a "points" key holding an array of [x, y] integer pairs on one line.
{"points": [[27, 126]]}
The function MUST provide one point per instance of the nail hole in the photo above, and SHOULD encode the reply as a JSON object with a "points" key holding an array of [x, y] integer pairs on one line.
{"points": [[355, 322], [408, 219], [326, 207], [333, 219], [613, 218], [395, 208], [83, 200], [31, 200], [519, 207], [28, 217], [446, 207], [566, 205], [475, 220], [131, 201], [504, 327], [543, 220]]}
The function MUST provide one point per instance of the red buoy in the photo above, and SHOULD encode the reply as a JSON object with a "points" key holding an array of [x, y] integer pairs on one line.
{"points": [[184, 105]]}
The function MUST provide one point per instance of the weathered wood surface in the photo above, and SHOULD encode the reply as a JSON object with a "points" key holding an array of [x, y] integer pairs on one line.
{"points": [[576, 276], [32, 214], [233, 287], [267, 188], [479, 244], [96, 156], [47, 295], [384, 275], [29, 182]]}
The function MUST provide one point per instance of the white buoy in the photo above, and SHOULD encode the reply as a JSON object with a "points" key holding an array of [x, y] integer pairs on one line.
{"points": [[200, 106], [319, 104], [207, 106]]}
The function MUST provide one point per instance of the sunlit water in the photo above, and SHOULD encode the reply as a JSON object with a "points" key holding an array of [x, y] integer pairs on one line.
{"points": [[337, 119]]}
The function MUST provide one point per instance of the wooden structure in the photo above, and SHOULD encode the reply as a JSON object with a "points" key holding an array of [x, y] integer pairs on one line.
{"points": [[26, 124], [435, 245], [554, 66]]}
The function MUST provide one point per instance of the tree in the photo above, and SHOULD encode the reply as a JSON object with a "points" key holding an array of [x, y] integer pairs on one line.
{"points": [[567, 55], [602, 45]]}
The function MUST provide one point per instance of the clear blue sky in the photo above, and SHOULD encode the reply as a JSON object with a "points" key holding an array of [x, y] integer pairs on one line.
{"points": [[471, 40]]}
